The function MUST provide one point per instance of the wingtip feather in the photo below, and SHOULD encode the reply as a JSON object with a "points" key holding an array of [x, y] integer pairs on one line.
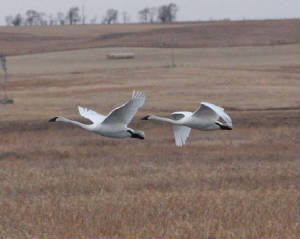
{"points": [[81, 110], [138, 97], [137, 94]]}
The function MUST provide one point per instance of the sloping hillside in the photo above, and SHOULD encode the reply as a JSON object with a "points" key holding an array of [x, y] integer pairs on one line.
{"points": [[26, 40]]}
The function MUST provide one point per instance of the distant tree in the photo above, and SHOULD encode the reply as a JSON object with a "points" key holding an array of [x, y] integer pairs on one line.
{"points": [[152, 14], [35, 18], [52, 20], [9, 20], [144, 14], [32, 17], [93, 20], [111, 16], [43, 19], [73, 15], [167, 13], [126, 17], [173, 9], [61, 19], [18, 20]]}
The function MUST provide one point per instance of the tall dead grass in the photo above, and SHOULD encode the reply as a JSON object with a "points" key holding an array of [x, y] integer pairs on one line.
{"points": [[238, 185]]}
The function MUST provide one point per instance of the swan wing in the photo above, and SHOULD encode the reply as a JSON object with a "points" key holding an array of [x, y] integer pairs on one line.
{"points": [[91, 115], [211, 112], [125, 113], [181, 133]]}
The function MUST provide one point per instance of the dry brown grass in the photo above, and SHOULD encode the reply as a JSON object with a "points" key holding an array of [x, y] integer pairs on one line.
{"points": [[235, 185], [58, 181]]}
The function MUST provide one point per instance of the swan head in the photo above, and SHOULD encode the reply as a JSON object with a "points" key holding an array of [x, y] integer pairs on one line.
{"points": [[148, 117], [224, 126], [138, 134], [53, 119]]}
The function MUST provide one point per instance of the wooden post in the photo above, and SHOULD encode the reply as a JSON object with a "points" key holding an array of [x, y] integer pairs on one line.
{"points": [[5, 100]]}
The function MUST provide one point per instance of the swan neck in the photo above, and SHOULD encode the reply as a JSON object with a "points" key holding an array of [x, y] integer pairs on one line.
{"points": [[154, 117], [81, 125]]}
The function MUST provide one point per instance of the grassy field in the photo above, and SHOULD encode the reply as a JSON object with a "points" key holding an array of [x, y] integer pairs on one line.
{"points": [[58, 181], [36, 39]]}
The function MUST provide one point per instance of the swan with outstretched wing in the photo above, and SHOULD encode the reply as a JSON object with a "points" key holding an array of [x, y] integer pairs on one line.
{"points": [[205, 118], [115, 123]]}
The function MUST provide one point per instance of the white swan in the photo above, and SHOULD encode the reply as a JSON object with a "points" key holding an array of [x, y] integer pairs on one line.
{"points": [[204, 118], [115, 123]]}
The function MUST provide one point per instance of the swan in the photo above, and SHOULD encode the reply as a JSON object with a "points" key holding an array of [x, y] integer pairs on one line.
{"points": [[114, 124], [204, 118]]}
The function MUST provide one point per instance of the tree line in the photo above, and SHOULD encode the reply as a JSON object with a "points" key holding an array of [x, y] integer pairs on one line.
{"points": [[75, 15]]}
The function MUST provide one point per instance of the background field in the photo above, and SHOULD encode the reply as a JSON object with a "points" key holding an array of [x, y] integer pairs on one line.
{"points": [[58, 181]]}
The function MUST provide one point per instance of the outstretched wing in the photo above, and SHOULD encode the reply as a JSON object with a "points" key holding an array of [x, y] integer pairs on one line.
{"points": [[91, 115], [181, 133], [211, 113], [125, 113]]}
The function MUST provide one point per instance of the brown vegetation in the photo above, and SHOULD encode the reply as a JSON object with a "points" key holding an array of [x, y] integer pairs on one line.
{"points": [[59, 181], [37, 39]]}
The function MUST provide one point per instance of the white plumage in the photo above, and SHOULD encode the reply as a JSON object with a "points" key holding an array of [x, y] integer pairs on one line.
{"points": [[204, 118], [91, 115], [115, 123]]}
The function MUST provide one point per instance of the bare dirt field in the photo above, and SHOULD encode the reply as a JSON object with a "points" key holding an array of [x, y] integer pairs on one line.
{"points": [[58, 181]]}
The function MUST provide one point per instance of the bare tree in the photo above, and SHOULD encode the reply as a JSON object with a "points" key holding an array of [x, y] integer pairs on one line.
{"points": [[93, 20], [144, 14], [32, 17], [35, 18], [73, 15], [173, 9], [61, 18], [18, 20], [152, 14], [167, 13], [9, 20], [126, 17], [43, 19], [111, 16], [52, 21]]}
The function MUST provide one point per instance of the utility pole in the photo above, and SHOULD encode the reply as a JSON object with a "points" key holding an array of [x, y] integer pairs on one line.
{"points": [[82, 14], [5, 100]]}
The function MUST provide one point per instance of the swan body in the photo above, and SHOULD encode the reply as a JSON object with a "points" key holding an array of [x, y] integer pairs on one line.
{"points": [[204, 118], [114, 124]]}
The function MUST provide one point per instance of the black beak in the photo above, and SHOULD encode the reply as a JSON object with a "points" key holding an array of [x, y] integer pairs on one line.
{"points": [[146, 117], [53, 119], [137, 136]]}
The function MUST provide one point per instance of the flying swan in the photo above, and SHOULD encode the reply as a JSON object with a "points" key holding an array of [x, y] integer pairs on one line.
{"points": [[114, 124], [204, 118]]}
